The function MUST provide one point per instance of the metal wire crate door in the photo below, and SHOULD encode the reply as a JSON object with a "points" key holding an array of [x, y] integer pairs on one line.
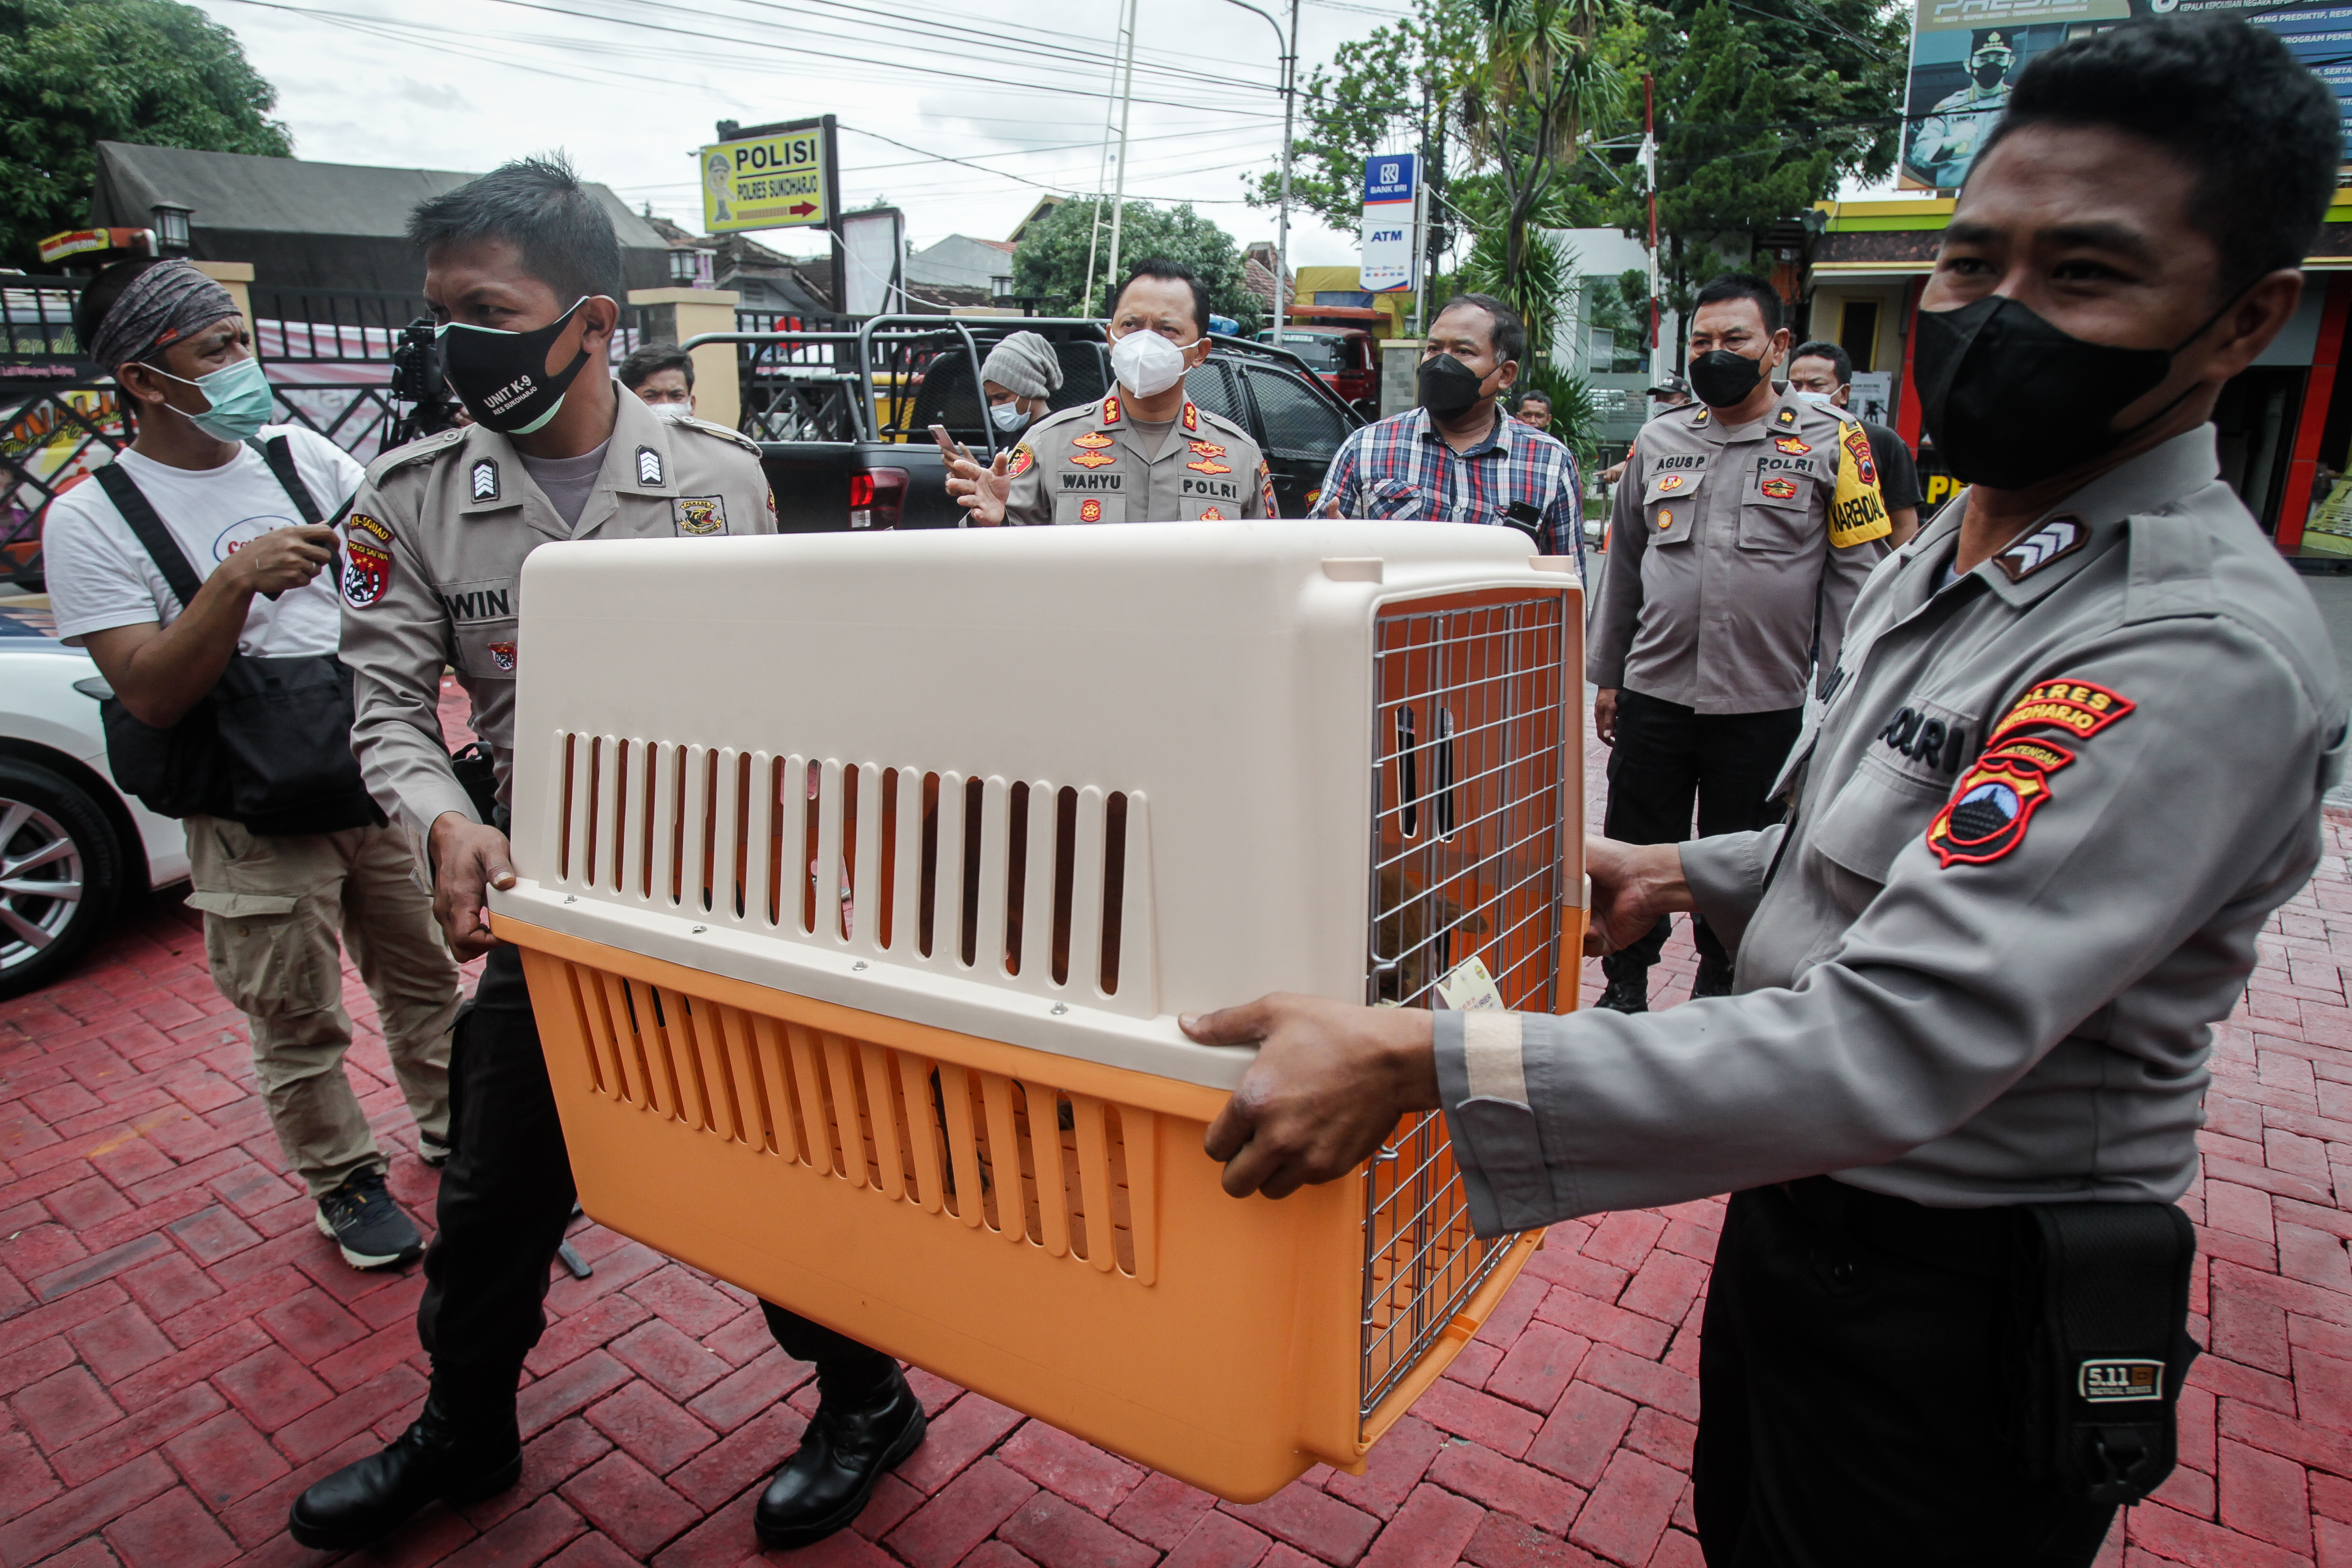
{"points": [[1470, 802]]}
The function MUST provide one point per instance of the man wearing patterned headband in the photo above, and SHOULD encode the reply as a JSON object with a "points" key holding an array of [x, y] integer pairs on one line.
{"points": [[198, 548]]}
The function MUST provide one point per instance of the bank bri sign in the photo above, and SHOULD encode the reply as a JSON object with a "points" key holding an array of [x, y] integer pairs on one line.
{"points": [[1391, 185]]}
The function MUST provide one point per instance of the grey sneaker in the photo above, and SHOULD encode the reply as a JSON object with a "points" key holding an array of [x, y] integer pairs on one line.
{"points": [[361, 1218]]}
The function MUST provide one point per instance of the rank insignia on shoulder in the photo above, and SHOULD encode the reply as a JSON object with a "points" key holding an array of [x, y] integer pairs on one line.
{"points": [[1702, 416], [1209, 466], [1792, 445], [699, 514], [1110, 409], [1192, 415], [1987, 816], [1787, 417], [649, 465], [1093, 459], [482, 480], [1093, 440], [1024, 457], [2053, 541], [2077, 707]]}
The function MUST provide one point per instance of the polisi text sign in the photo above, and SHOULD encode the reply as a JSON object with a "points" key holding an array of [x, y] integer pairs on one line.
{"points": [[780, 179]]}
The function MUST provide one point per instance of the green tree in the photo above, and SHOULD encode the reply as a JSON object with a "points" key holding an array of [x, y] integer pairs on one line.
{"points": [[1052, 260], [77, 72], [1763, 107]]}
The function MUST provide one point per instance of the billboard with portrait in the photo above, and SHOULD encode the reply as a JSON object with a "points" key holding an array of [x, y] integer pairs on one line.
{"points": [[1966, 54]]}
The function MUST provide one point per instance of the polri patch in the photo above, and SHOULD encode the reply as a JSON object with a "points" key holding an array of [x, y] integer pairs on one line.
{"points": [[1987, 817], [2078, 707], [1266, 491], [699, 514], [2053, 541], [649, 465], [1090, 511], [1024, 457], [367, 560], [502, 654], [482, 480]]}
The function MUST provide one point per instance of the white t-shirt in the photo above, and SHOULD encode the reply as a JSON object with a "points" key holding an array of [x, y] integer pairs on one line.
{"points": [[99, 575]]}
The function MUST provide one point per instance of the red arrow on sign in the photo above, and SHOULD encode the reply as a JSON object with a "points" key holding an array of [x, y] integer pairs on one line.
{"points": [[801, 209]]}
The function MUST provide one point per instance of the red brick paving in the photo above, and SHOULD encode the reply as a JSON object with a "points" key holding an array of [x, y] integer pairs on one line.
{"points": [[180, 1352]]}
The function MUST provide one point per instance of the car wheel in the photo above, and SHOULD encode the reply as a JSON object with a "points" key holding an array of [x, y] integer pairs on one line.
{"points": [[61, 874]]}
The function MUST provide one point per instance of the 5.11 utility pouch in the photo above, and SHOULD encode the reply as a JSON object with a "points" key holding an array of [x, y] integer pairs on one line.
{"points": [[2102, 1334]]}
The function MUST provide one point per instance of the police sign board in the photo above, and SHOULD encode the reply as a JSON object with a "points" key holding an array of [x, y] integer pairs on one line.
{"points": [[1392, 184], [782, 176]]}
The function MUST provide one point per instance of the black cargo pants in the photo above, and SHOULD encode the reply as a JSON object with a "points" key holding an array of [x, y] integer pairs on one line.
{"points": [[1851, 1373], [506, 1197], [1668, 756]]}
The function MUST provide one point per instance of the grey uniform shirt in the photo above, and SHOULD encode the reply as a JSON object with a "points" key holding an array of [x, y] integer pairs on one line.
{"points": [[2036, 830], [1090, 464], [433, 560], [1731, 550]]}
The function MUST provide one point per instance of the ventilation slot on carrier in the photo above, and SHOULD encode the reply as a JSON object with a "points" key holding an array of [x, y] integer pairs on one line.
{"points": [[1067, 1173], [1023, 881]]}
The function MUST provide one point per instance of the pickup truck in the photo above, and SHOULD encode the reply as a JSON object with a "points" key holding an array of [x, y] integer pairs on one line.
{"points": [[843, 417]]}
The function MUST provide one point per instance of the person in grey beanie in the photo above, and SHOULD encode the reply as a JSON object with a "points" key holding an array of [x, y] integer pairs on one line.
{"points": [[1019, 375]]}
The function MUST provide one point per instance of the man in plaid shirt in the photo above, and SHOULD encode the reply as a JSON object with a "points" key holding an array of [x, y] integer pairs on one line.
{"points": [[1457, 457]]}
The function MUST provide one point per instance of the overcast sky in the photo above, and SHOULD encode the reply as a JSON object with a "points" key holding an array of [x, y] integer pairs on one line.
{"points": [[631, 88]]}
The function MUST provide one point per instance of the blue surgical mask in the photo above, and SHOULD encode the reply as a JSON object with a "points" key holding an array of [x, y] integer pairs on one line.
{"points": [[239, 396], [1007, 417]]}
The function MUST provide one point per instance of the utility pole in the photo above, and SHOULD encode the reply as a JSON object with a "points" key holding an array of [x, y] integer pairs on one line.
{"points": [[1282, 230], [1289, 78], [1126, 103], [1650, 179], [1102, 177]]}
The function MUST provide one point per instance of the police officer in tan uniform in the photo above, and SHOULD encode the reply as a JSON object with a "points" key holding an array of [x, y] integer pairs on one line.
{"points": [[1145, 453], [1741, 534], [521, 264]]}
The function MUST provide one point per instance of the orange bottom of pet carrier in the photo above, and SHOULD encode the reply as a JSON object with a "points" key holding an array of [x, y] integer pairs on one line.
{"points": [[1043, 1229]]}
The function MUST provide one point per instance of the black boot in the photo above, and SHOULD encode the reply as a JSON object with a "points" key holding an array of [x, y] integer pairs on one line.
{"points": [[1714, 979], [848, 1444], [1628, 992], [456, 1453]]}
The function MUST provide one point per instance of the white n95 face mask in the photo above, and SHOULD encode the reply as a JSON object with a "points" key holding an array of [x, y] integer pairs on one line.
{"points": [[1146, 363]]}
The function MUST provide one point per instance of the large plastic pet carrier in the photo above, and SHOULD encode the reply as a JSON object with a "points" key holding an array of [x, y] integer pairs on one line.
{"points": [[863, 879]]}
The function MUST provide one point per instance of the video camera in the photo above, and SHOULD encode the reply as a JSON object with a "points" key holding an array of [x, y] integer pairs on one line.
{"points": [[416, 380]]}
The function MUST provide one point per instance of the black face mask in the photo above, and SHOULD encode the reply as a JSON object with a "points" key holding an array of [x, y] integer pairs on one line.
{"points": [[2010, 400], [503, 378], [1447, 386], [1722, 379]]}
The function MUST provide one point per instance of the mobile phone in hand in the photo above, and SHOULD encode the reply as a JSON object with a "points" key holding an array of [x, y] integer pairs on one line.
{"points": [[949, 447]]}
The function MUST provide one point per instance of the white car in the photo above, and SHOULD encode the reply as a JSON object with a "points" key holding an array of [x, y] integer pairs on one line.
{"points": [[73, 847]]}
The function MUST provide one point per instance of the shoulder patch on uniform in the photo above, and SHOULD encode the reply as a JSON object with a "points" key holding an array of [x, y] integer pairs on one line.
{"points": [[482, 480], [649, 465], [1857, 512], [699, 514], [416, 451], [367, 560], [1024, 457], [2053, 541], [2080, 708], [1266, 491], [1987, 816]]}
